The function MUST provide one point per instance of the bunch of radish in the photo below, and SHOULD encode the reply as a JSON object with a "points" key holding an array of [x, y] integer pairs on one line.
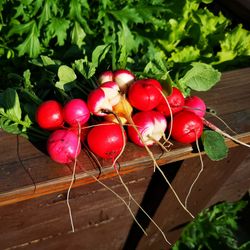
{"points": [[122, 109], [120, 99]]}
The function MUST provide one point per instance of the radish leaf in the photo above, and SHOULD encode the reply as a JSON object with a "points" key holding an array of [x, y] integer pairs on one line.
{"points": [[214, 145], [66, 77], [201, 77]]}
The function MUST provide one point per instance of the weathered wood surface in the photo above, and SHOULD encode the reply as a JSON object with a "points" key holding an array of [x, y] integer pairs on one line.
{"points": [[37, 218]]}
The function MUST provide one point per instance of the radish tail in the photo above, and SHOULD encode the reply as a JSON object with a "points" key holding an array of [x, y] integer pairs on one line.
{"points": [[73, 178], [216, 129], [198, 175]]}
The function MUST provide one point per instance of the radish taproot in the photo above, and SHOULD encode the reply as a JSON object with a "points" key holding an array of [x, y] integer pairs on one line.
{"points": [[62, 146], [187, 127], [49, 115], [145, 94], [76, 112]]}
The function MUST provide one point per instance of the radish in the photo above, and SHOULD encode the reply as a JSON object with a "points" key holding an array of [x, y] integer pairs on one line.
{"points": [[176, 102], [150, 124], [62, 146], [124, 78], [105, 76], [195, 105], [76, 112], [187, 127], [112, 92], [103, 98], [49, 115], [145, 94], [106, 140]]}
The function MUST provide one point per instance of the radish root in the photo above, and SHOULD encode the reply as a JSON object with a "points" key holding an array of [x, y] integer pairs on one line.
{"points": [[73, 178], [198, 175], [157, 166], [216, 129]]}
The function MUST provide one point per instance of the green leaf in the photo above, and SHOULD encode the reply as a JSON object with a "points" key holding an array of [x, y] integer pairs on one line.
{"points": [[31, 45], [11, 104], [78, 35], [57, 28], [201, 77], [47, 61], [214, 145], [236, 43], [185, 54], [66, 77], [8, 126]]}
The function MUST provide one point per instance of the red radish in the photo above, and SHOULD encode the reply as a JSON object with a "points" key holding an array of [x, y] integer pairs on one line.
{"points": [[187, 127], [63, 146], [124, 78], [176, 102], [145, 94], [49, 115], [196, 105], [106, 76], [76, 112], [106, 140], [150, 124]]}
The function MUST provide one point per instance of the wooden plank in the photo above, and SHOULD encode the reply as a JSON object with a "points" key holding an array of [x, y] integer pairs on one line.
{"points": [[16, 185], [43, 223], [171, 216]]}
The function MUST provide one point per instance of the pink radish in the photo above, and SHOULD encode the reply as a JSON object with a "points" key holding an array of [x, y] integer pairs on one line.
{"points": [[124, 78], [150, 124], [49, 115], [106, 140], [76, 112], [176, 102], [195, 105], [105, 76], [187, 127], [62, 146], [145, 94]]}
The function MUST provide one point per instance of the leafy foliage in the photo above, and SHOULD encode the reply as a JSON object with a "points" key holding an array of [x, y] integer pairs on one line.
{"points": [[213, 228], [136, 31]]}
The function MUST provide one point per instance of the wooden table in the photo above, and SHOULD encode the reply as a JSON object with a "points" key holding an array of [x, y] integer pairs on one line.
{"points": [[33, 189]]}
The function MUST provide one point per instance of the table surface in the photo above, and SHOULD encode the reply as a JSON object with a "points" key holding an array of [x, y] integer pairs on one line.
{"points": [[27, 172]]}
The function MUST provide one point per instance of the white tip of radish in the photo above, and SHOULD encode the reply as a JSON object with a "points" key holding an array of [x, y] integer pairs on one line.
{"points": [[150, 124], [106, 76], [112, 92], [97, 102], [123, 78]]}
